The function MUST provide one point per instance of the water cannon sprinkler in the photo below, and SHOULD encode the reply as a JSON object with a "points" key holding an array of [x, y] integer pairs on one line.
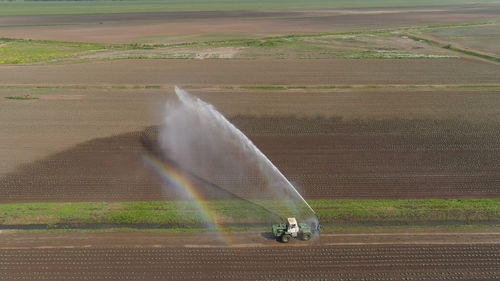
{"points": [[318, 226]]}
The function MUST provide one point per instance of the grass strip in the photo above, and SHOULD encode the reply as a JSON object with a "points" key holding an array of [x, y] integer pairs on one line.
{"points": [[263, 88], [21, 98], [184, 214], [16, 51], [407, 211]]}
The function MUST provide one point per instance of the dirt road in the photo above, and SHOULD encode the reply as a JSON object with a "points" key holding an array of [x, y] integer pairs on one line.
{"points": [[253, 256]]}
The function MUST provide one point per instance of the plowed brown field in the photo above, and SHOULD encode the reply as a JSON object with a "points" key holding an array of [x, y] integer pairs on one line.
{"points": [[258, 72]]}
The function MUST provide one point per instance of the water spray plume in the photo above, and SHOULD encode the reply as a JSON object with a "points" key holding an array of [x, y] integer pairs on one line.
{"points": [[200, 140], [242, 138]]}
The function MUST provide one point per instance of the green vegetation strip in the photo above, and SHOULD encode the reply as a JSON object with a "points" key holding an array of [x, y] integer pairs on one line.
{"points": [[184, 214], [408, 211], [16, 51], [21, 98]]}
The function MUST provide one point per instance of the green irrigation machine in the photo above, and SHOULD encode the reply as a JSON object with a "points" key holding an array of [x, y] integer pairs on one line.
{"points": [[291, 229]]}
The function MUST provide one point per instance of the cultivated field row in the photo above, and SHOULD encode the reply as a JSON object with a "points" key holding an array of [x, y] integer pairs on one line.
{"points": [[429, 262], [326, 158]]}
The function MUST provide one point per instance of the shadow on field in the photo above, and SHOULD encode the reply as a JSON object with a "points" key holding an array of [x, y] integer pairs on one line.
{"points": [[207, 188], [268, 235]]}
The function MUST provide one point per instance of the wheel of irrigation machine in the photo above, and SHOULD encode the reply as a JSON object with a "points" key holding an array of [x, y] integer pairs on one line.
{"points": [[306, 236], [285, 238]]}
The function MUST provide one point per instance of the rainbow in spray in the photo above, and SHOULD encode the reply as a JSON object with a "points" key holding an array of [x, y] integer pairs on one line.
{"points": [[185, 187]]}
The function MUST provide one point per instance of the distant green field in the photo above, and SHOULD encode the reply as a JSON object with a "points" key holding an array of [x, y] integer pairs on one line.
{"points": [[14, 51], [20, 7], [184, 214]]}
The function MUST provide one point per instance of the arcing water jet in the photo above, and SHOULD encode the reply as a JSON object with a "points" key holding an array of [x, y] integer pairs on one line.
{"points": [[200, 140]]}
